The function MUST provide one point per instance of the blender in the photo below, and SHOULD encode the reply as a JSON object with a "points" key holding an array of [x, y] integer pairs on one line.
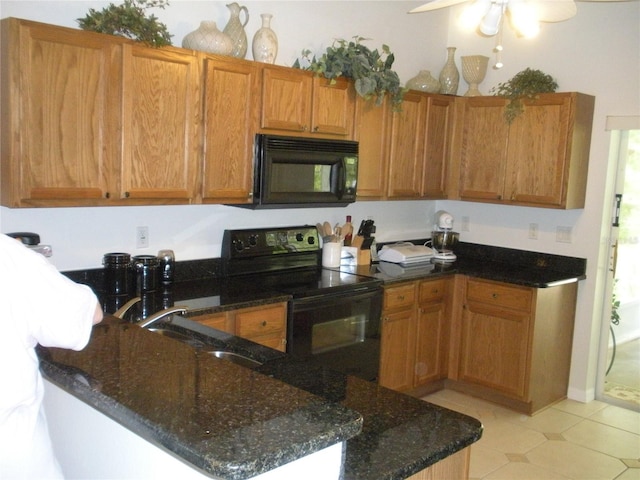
{"points": [[443, 238]]}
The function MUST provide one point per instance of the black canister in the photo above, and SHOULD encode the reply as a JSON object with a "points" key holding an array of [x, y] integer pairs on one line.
{"points": [[145, 271], [117, 273]]}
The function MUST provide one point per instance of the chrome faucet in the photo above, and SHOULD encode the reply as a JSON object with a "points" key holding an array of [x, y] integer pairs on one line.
{"points": [[156, 317], [125, 308]]}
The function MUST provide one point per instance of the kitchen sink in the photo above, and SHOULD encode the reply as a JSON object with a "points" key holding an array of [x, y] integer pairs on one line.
{"points": [[171, 334], [235, 358]]}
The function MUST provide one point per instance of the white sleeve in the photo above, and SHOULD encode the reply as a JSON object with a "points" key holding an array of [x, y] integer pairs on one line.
{"points": [[55, 311]]}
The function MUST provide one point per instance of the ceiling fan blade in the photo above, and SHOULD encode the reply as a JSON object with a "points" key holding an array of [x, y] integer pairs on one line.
{"points": [[435, 4], [554, 10]]}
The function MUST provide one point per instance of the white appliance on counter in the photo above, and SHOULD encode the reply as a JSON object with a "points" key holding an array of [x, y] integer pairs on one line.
{"points": [[406, 253]]}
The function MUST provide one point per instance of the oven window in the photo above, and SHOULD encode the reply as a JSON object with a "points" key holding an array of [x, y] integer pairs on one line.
{"points": [[339, 333], [300, 177]]}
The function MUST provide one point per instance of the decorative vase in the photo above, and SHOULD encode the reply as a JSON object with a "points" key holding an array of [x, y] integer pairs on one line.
{"points": [[474, 68], [449, 76], [207, 38], [235, 30], [424, 82], [265, 42]]}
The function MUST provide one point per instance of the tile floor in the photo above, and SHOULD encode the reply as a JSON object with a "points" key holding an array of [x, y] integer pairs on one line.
{"points": [[570, 440]]}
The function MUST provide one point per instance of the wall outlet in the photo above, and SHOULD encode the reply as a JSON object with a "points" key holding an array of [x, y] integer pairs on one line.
{"points": [[142, 237], [533, 231], [464, 224], [564, 234]]}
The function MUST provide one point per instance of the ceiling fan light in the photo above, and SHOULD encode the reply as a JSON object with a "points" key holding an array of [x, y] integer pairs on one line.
{"points": [[524, 18], [490, 23], [473, 13]]}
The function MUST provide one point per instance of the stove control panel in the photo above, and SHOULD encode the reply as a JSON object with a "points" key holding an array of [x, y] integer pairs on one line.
{"points": [[262, 242]]}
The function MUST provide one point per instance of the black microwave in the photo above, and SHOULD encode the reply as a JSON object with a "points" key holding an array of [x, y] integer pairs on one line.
{"points": [[294, 172]]}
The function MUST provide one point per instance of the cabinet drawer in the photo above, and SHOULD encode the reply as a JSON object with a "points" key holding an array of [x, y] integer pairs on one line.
{"points": [[518, 298], [218, 321], [432, 290], [400, 296], [261, 321]]}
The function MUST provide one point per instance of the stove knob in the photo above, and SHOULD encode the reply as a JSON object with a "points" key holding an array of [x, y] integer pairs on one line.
{"points": [[299, 237], [253, 240], [239, 245], [311, 240]]}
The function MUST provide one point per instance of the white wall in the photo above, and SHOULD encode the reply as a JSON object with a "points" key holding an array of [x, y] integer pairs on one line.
{"points": [[597, 52]]}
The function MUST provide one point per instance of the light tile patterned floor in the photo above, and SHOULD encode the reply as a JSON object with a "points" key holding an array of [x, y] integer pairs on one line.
{"points": [[568, 441]]}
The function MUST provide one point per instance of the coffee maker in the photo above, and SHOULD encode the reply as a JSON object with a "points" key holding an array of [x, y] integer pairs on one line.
{"points": [[443, 238]]}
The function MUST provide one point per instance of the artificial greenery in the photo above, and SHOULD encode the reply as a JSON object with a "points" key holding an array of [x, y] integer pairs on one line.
{"points": [[526, 84], [370, 69], [129, 20]]}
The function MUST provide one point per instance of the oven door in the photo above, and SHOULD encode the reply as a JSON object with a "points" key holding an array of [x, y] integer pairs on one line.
{"points": [[340, 331]]}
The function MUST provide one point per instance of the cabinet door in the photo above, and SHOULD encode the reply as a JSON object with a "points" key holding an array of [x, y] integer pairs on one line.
{"points": [[160, 126], [371, 133], [430, 343], [58, 111], [231, 102], [332, 107], [437, 152], [483, 149], [286, 99], [407, 148], [496, 337], [397, 350], [432, 332], [537, 163]]}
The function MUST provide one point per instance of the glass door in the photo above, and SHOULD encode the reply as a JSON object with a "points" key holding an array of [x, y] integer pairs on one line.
{"points": [[619, 372]]}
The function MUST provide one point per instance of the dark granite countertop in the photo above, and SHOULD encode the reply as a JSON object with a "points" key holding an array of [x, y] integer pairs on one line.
{"points": [[234, 422], [226, 420], [529, 269]]}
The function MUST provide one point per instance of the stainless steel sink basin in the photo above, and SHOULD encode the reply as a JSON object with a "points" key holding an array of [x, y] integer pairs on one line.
{"points": [[235, 358], [171, 334]]}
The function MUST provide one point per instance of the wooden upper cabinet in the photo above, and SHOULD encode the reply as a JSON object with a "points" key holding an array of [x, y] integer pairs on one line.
{"points": [[440, 118], [371, 134], [160, 123], [483, 152], [231, 103], [540, 159], [406, 136], [548, 151], [59, 105], [296, 102]]}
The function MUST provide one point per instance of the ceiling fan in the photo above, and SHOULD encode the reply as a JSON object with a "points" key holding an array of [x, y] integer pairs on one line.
{"points": [[524, 15]]}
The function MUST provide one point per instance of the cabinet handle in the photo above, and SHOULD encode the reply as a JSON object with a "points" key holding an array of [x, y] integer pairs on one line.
{"points": [[435, 290], [126, 194], [303, 128], [316, 128], [264, 323], [400, 297], [494, 295], [107, 195]]}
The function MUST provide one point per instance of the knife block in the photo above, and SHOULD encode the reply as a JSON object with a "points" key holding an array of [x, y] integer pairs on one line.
{"points": [[364, 253]]}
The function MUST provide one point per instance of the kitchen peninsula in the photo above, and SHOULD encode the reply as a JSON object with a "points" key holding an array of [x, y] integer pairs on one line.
{"points": [[231, 422]]}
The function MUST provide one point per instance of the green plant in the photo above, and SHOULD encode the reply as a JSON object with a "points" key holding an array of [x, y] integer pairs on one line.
{"points": [[615, 304], [370, 69], [129, 20], [526, 84]]}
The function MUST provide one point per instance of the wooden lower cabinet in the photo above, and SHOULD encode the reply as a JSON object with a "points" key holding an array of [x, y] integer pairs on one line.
{"points": [[265, 324], [414, 334], [515, 343], [455, 466]]}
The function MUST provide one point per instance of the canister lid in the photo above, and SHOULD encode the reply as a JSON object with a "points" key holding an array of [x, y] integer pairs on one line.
{"points": [[116, 259], [151, 260]]}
